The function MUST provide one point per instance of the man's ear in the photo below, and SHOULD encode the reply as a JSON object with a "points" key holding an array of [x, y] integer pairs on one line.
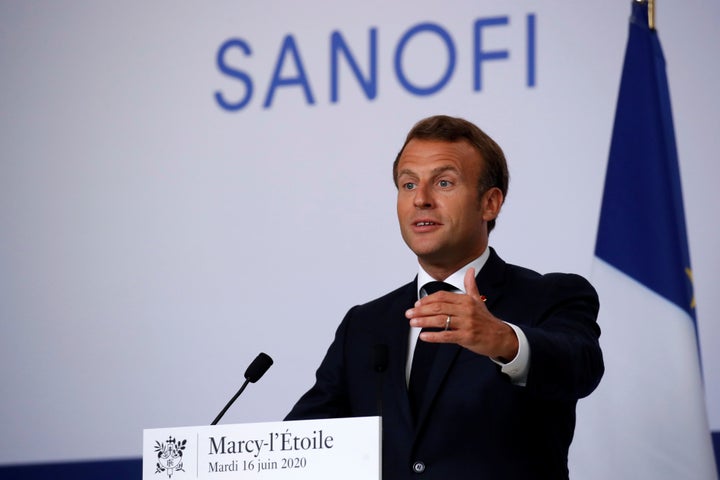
{"points": [[491, 203]]}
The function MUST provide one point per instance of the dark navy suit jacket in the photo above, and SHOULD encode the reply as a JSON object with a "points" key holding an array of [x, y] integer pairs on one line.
{"points": [[474, 423]]}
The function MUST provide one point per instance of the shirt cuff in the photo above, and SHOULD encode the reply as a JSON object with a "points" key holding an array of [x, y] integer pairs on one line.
{"points": [[517, 368]]}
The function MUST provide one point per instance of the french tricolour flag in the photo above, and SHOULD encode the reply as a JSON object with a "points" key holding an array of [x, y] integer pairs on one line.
{"points": [[647, 419]]}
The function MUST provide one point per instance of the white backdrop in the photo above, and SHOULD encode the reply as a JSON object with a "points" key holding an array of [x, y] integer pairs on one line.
{"points": [[152, 242]]}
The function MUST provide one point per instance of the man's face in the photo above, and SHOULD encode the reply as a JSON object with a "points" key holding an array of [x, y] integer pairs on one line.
{"points": [[442, 217]]}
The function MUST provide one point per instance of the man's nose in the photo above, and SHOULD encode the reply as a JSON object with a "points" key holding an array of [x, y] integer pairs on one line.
{"points": [[423, 197]]}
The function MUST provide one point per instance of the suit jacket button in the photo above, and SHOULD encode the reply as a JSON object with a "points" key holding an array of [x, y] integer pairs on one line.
{"points": [[418, 467]]}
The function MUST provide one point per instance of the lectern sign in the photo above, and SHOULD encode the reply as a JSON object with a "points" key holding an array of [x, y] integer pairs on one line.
{"points": [[308, 449]]}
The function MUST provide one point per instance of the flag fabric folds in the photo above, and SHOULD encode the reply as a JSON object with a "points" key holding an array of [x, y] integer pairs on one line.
{"points": [[647, 420]]}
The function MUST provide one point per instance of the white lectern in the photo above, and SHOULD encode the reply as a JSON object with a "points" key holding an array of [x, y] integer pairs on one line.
{"points": [[347, 448]]}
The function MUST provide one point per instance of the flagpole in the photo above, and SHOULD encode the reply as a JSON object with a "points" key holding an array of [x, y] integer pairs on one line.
{"points": [[651, 14]]}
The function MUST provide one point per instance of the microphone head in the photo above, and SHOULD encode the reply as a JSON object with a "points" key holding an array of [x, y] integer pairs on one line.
{"points": [[379, 357], [258, 367]]}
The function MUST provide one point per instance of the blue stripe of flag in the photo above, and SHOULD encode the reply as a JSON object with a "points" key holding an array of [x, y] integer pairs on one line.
{"points": [[642, 222]]}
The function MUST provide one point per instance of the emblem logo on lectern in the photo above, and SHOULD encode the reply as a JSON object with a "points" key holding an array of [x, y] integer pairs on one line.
{"points": [[170, 456]]}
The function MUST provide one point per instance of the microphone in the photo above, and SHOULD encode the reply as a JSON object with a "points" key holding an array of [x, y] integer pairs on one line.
{"points": [[379, 363], [255, 370], [258, 367]]}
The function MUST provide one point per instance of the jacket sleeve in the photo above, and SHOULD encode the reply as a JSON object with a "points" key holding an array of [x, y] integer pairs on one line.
{"points": [[565, 357]]}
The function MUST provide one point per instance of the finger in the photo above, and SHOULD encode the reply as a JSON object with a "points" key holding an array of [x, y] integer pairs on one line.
{"points": [[439, 303], [439, 297], [434, 321], [470, 285], [445, 336]]}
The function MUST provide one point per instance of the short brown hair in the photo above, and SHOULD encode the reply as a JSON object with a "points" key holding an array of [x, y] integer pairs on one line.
{"points": [[450, 129]]}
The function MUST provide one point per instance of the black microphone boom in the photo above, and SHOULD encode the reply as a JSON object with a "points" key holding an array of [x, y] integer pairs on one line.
{"points": [[255, 370]]}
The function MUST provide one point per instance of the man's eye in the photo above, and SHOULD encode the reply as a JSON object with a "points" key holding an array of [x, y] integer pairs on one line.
{"points": [[409, 186], [444, 183]]}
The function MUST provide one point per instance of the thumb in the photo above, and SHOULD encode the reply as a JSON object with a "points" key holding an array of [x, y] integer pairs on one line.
{"points": [[470, 285]]}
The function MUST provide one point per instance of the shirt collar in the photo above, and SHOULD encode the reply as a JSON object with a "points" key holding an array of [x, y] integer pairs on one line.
{"points": [[457, 279]]}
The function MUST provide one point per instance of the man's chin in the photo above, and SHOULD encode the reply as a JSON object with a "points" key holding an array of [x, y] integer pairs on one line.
{"points": [[424, 249], [429, 256]]}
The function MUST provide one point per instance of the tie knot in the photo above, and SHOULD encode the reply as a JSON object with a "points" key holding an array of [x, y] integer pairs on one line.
{"points": [[432, 287]]}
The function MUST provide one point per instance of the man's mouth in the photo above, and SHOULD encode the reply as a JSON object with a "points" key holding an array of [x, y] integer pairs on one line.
{"points": [[426, 224]]}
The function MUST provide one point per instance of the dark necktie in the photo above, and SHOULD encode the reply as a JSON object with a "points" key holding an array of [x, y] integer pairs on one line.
{"points": [[424, 356]]}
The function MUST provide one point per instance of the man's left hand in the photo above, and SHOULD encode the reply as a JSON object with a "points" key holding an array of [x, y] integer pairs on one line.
{"points": [[471, 324]]}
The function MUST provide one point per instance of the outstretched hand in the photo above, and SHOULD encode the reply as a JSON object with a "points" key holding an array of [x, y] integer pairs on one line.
{"points": [[464, 320]]}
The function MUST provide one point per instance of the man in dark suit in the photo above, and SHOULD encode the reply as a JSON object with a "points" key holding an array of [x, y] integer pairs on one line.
{"points": [[483, 371]]}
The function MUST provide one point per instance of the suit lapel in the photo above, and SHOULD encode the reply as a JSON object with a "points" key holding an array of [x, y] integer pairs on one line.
{"points": [[399, 331], [491, 278]]}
